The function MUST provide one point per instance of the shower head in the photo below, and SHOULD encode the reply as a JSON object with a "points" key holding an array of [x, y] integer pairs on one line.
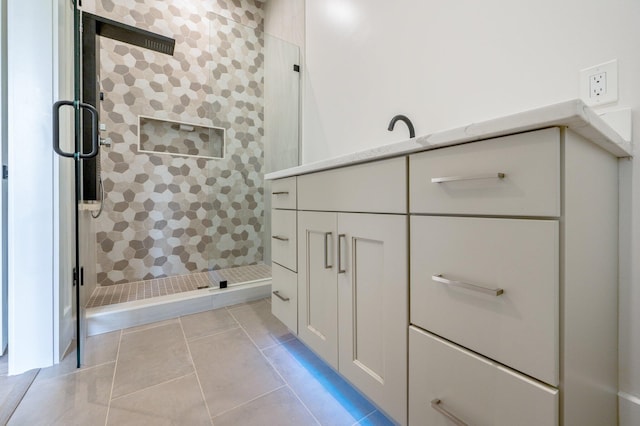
{"points": [[132, 35]]}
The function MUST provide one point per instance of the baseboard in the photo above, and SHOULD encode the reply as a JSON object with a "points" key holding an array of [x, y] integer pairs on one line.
{"points": [[629, 409]]}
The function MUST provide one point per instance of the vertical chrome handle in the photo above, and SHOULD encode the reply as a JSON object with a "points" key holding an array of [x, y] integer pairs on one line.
{"points": [[279, 296], [492, 291], [468, 177], [341, 237], [436, 405], [326, 251]]}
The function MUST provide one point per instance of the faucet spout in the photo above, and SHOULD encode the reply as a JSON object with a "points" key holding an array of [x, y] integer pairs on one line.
{"points": [[400, 117]]}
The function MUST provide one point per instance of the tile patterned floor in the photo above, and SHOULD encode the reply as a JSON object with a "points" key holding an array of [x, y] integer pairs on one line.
{"points": [[232, 366], [12, 388], [119, 293]]}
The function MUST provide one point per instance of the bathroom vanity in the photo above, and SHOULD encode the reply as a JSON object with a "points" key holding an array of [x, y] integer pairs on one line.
{"points": [[465, 277]]}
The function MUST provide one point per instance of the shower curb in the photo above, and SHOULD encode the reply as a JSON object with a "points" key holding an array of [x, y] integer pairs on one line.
{"points": [[103, 319]]}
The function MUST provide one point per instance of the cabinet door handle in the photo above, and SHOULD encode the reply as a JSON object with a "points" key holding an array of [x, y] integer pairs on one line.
{"points": [[341, 237], [279, 238], [279, 296], [280, 193], [326, 250], [492, 291], [468, 177], [436, 405]]}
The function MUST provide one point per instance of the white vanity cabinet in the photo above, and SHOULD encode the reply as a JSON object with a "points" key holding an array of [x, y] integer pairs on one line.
{"points": [[514, 282], [478, 271]]}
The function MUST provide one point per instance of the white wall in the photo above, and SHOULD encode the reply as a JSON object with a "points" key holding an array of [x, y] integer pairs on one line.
{"points": [[31, 180], [448, 63]]}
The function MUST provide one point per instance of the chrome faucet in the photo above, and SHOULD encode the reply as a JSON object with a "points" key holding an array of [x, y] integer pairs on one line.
{"points": [[400, 117]]}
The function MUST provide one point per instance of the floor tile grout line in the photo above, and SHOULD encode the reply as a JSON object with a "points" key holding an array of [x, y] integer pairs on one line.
{"points": [[150, 325], [76, 370], [365, 417], [194, 339], [195, 370], [279, 342], [276, 370], [153, 386], [22, 395], [251, 400], [113, 379]]}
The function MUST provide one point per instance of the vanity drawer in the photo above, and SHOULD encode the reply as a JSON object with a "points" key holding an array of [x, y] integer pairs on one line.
{"points": [[518, 327], [283, 193], [283, 238], [516, 175], [284, 296], [378, 187], [475, 390]]}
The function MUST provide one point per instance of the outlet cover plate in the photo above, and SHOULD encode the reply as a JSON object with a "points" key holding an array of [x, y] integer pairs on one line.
{"points": [[605, 94]]}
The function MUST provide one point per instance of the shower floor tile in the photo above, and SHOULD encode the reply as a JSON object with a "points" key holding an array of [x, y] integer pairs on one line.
{"points": [[139, 290]]}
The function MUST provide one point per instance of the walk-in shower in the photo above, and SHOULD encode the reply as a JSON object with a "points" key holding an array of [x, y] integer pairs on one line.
{"points": [[192, 135]]}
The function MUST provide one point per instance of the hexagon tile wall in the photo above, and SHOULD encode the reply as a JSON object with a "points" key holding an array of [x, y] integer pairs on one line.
{"points": [[169, 215]]}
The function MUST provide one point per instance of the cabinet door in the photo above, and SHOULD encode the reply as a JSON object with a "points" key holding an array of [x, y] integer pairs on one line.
{"points": [[372, 303], [317, 284]]}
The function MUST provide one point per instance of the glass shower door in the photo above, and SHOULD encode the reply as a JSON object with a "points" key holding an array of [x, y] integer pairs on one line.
{"points": [[68, 145]]}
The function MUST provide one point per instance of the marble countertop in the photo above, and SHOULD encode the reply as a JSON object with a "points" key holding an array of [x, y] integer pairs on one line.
{"points": [[573, 114]]}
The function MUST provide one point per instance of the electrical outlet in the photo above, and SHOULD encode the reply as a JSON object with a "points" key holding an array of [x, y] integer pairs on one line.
{"points": [[599, 84]]}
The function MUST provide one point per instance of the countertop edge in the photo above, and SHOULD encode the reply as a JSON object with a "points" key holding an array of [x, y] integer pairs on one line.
{"points": [[573, 114]]}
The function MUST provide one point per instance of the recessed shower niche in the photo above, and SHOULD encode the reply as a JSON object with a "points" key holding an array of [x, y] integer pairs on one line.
{"points": [[180, 138]]}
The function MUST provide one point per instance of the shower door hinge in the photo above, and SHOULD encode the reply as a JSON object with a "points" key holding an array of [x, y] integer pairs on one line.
{"points": [[5, 171], [78, 277], [296, 67]]}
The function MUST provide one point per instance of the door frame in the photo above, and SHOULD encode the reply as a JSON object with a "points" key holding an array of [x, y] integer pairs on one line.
{"points": [[4, 331], [32, 238]]}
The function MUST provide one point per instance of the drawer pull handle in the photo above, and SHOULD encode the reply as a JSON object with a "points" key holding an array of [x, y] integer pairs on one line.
{"points": [[436, 405], [280, 193], [492, 291], [279, 296], [279, 238], [469, 177], [341, 237], [326, 250]]}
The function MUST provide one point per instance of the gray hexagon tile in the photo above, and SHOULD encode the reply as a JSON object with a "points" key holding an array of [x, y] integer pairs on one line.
{"points": [[167, 214]]}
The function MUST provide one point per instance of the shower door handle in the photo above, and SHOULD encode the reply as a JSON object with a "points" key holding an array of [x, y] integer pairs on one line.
{"points": [[95, 141]]}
